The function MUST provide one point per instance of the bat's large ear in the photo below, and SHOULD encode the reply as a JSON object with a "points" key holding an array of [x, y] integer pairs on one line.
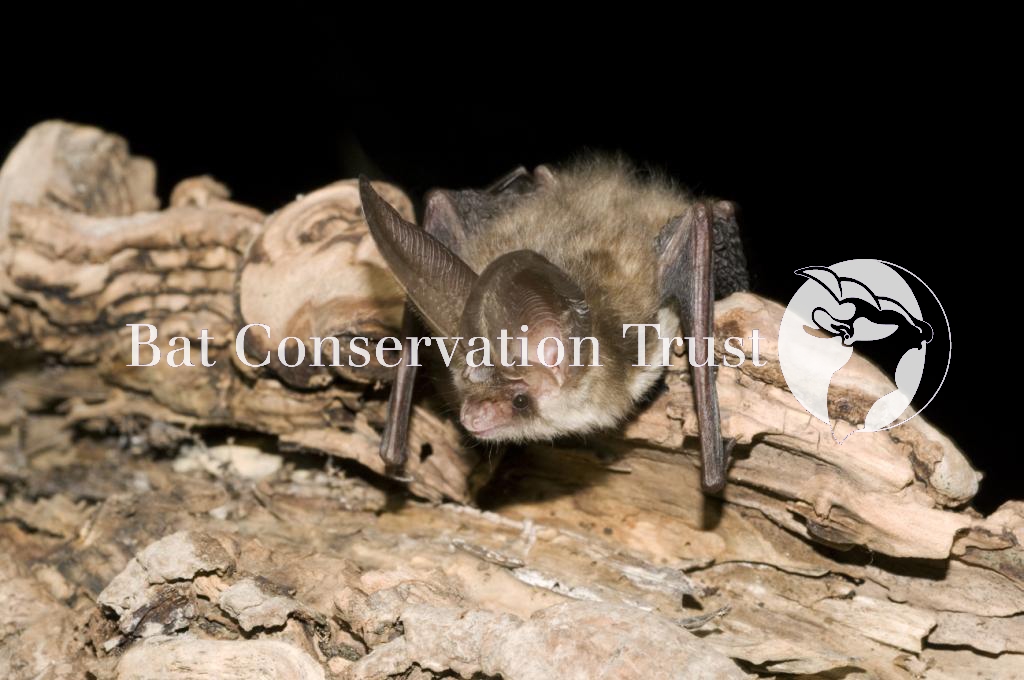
{"points": [[434, 278], [524, 288]]}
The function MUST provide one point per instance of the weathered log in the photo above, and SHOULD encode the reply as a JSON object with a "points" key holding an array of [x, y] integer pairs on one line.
{"points": [[75, 281], [592, 557]]}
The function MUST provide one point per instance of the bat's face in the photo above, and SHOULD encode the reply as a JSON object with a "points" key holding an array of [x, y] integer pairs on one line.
{"points": [[529, 302], [516, 403]]}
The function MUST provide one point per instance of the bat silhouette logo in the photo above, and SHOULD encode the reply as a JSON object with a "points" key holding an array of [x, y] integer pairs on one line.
{"points": [[857, 301], [875, 317]]}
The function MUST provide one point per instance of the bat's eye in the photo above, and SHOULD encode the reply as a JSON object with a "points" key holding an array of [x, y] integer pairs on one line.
{"points": [[520, 401]]}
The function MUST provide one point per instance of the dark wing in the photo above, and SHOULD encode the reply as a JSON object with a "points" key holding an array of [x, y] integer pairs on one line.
{"points": [[697, 252], [730, 263], [454, 216]]}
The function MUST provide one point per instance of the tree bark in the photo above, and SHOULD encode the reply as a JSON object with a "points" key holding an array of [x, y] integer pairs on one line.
{"points": [[229, 520]]}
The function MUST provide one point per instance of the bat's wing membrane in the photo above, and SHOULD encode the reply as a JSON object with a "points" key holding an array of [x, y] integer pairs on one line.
{"points": [[454, 216], [730, 263]]}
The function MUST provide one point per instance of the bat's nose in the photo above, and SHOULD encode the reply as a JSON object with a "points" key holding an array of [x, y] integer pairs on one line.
{"points": [[479, 417]]}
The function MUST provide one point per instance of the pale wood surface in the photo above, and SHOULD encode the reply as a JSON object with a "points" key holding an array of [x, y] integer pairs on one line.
{"points": [[140, 549]]}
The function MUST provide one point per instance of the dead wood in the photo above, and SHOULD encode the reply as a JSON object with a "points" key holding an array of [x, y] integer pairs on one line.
{"points": [[598, 558]]}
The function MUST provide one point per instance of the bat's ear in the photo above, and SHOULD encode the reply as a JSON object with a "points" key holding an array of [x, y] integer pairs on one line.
{"points": [[524, 288], [434, 278]]}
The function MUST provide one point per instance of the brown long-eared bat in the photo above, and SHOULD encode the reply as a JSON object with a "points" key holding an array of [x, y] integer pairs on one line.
{"points": [[575, 252]]}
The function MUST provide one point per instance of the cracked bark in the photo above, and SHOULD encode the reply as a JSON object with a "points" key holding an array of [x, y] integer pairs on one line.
{"points": [[602, 556]]}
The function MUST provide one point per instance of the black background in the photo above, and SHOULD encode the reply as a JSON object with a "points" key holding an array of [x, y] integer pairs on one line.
{"points": [[866, 146]]}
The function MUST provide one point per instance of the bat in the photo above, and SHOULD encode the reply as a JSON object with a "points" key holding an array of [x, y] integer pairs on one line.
{"points": [[573, 252]]}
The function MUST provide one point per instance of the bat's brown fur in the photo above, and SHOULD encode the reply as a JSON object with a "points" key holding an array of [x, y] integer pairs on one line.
{"points": [[583, 251], [597, 220]]}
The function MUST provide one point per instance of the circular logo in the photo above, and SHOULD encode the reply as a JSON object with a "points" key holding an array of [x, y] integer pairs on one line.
{"points": [[842, 308]]}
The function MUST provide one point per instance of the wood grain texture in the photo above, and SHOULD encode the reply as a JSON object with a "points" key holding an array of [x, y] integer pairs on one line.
{"points": [[143, 546]]}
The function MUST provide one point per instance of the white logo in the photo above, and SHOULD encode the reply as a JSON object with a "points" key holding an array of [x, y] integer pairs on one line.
{"points": [[863, 301]]}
